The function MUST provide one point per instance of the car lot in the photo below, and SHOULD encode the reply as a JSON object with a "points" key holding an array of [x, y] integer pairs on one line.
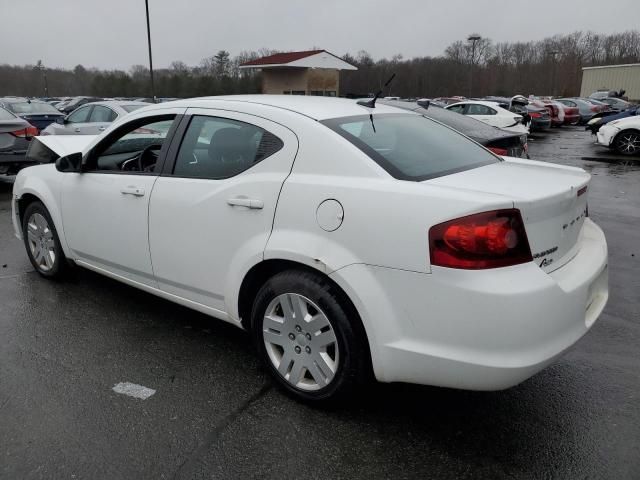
{"points": [[215, 414]]}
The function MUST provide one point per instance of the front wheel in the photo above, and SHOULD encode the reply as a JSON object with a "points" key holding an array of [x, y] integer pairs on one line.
{"points": [[627, 143], [308, 338], [42, 242]]}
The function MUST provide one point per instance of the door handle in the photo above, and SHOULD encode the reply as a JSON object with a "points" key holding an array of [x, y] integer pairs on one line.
{"points": [[246, 202], [132, 190], [102, 129], [77, 130]]}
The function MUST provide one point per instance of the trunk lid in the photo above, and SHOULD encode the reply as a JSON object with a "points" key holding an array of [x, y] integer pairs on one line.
{"points": [[551, 198]]}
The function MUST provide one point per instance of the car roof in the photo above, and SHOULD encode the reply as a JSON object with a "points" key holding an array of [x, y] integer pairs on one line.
{"points": [[118, 103], [318, 108], [486, 103]]}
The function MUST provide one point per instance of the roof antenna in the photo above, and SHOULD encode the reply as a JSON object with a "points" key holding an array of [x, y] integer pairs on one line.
{"points": [[372, 103]]}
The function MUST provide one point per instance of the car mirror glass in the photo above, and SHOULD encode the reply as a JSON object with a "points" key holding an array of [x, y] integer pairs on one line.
{"points": [[69, 163]]}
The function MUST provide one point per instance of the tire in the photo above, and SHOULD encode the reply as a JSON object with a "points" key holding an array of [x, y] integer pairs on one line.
{"points": [[627, 143], [322, 359], [42, 242]]}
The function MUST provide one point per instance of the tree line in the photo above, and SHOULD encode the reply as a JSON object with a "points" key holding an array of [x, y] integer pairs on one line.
{"points": [[552, 66]]}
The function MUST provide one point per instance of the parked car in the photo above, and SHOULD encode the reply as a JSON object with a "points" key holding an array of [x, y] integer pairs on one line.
{"points": [[500, 142], [617, 104], [556, 112], [92, 118], [76, 102], [606, 93], [587, 109], [491, 114], [346, 239], [448, 100], [605, 117], [37, 113], [537, 117], [621, 135], [15, 134]]}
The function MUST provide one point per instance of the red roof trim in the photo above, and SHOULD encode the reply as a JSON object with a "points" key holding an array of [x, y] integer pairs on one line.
{"points": [[280, 58]]}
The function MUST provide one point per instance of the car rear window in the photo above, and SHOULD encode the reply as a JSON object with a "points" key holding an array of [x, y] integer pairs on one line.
{"points": [[411, 147], [131, 108], [5, 115], [32, 108]]}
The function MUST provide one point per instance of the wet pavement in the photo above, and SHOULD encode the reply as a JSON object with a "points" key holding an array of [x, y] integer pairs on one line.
{"points": [[215, 414]]}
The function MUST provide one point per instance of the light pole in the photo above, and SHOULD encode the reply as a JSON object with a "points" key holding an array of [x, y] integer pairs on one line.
{"points": [[553, 54], [40, 67], [153, 91], [473, 38]]}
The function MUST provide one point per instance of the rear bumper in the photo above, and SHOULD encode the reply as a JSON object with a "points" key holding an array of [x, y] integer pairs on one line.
{"points": [[478, 330], [537, 124]]}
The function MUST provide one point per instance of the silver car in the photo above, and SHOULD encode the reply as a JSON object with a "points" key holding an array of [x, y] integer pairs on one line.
{"points": [[92, 118]]}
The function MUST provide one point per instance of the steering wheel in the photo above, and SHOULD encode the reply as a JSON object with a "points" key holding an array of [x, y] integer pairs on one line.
{"points": [[143, 153]]}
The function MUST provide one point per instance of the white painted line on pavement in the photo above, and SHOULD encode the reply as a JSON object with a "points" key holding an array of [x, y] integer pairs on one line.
{"points": [[133, 390]]}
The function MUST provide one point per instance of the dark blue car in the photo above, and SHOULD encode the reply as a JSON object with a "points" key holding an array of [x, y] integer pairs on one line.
{"points": [[597, 121], [37, 113]]}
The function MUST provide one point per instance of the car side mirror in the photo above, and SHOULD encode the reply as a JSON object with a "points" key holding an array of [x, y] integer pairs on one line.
{"points": [[424, 103], [63, 121], [69, 163]]}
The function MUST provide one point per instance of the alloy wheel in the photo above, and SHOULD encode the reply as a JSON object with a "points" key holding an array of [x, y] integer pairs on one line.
{"points": [[629, 143], [41, 242], [300, 342]]}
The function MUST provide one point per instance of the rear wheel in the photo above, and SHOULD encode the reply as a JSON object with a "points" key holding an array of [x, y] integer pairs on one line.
{"points": [[306, 338], [42, 242], [627, 143]]}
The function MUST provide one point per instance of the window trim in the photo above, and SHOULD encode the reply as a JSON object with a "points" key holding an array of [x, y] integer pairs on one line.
{"points": [[89, 158], [180, 134]]}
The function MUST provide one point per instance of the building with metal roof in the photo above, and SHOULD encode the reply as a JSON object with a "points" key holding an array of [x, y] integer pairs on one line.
{"points": [[612, 77], [311, 72]]}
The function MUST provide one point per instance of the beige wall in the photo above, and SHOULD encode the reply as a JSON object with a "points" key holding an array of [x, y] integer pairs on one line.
{"points": [[279, 80], [613, 78]]}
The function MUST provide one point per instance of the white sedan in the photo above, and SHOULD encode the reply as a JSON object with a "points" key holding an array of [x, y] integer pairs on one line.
{"points": [[348, 240], [622, 135], [490, 113]]}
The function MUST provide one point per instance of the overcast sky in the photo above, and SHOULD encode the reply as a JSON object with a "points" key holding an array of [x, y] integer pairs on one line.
{"points": [[112, 33]]}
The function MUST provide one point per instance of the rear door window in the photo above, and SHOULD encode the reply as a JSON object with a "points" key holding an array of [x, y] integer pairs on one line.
{"points": [[102, 114], [411, 147]]}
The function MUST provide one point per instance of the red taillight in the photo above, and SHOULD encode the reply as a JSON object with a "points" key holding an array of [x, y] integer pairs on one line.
{"points": [[499, 151], [595, 108], [535, 115], [483, 240], [28, 132]]}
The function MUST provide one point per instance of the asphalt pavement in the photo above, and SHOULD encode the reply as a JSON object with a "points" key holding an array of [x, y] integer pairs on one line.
{"points": [[215, 414]]}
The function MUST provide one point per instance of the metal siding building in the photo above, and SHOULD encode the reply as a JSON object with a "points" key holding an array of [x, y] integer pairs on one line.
{"points": [[612, 77]]}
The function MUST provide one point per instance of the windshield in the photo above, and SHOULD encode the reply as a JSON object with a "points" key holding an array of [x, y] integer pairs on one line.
{"points": [[411, 147], [32, 107], [131, 108]]}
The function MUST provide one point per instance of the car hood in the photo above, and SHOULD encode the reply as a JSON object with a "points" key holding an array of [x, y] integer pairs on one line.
{"points": [[66, 144]]}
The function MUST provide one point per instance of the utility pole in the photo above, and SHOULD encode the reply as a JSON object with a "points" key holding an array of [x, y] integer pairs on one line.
{"points": [[554, 67], [41, 67], [153, 91], [473, 38]]}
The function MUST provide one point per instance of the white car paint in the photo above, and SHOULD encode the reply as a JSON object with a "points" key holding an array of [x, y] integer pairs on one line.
{"points": [[492, 114], [474, 329], [608, 132]]}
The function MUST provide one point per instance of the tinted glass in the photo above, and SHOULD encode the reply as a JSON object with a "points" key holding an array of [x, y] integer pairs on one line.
{"points": [[476, 109], [131, 108], [456, 108], [102, 114], [134, 149], [32, 107], [218, 148], [411, 147], [80, 115]]}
